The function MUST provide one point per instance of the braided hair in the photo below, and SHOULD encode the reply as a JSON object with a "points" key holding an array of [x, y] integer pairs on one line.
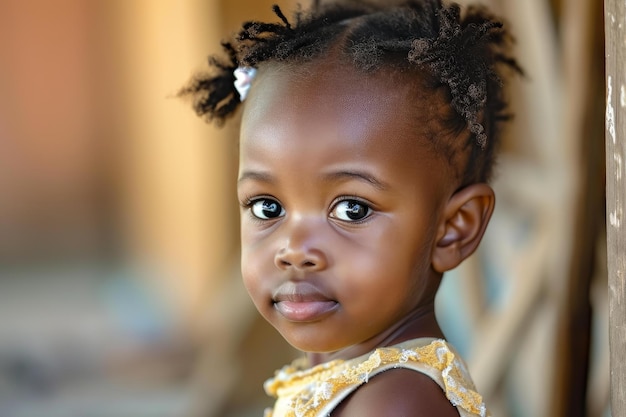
{"points": [[464, 53]]}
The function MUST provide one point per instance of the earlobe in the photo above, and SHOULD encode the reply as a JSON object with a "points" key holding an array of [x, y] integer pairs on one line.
{"points": [[466, 216]]}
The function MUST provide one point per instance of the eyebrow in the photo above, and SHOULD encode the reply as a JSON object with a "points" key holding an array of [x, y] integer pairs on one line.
{"points": [[358, 175], [330, 177], [255, 176]]}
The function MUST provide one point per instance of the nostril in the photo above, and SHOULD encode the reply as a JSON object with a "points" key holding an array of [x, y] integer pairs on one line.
{"points": [[301, 260]]}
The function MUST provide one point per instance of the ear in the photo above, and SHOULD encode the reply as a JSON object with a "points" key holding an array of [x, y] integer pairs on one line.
{"points": [[466, 216]]}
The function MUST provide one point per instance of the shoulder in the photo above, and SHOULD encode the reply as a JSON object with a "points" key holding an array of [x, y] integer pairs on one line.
{"points": [[395, 393]]}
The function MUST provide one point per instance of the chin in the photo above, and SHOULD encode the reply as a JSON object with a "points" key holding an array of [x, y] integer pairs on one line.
{"points": [[311, 342]]}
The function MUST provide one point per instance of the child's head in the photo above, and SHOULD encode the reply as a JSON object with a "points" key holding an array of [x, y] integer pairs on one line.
{"points": [[366, 139], [427, 44]]}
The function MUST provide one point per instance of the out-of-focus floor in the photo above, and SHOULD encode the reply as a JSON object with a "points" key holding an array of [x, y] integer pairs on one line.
{"points": [[84, 340]]}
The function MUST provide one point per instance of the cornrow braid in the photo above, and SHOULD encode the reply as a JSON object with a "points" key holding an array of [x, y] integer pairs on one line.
{"points": [[465, 53]]}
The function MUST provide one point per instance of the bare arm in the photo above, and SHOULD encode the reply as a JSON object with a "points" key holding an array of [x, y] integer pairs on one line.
{"points": [[397, 393]]}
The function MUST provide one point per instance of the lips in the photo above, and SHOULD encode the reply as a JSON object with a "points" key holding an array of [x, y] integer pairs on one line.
{"points": [[303, 302]]}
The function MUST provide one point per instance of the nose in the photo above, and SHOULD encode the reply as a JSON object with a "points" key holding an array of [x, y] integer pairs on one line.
{"points": [[300, 259], [300, 250]]}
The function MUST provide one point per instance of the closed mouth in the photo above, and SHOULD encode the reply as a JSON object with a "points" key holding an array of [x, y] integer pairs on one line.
{"points": [[299, 292], [303, 302]]}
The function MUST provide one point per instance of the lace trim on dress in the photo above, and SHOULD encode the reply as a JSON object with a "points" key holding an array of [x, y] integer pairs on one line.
{"points": [[306, 392]]}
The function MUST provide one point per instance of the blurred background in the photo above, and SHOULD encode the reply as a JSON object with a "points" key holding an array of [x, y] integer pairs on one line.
{"points": [[119, 273]]}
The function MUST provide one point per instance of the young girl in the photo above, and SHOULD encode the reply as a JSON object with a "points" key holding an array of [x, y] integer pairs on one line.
{"points": [[367, 138]]}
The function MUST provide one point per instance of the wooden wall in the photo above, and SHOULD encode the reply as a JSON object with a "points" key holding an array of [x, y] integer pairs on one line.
{"points": [[615, 21]]}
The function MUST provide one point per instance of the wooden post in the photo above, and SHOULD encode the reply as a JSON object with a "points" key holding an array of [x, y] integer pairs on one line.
{"points": [[615, 26], [581, 142]]}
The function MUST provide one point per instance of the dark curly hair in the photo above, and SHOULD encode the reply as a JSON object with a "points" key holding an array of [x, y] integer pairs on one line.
{"points": [[464, 53]]}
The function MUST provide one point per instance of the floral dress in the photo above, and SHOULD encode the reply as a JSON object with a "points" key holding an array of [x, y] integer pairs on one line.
{"points": [[316, 391]]}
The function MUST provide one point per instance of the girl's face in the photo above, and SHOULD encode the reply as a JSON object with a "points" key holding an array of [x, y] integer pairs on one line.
{"points": [[341, 202]]}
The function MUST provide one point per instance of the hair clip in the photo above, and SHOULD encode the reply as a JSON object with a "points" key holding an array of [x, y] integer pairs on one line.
{"points": [[243, 78]]}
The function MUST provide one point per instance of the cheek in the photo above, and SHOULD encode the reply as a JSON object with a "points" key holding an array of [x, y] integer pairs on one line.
{"points": [[258, 249], [254, 259], [256, 280], [398, 251], [397, 241]]}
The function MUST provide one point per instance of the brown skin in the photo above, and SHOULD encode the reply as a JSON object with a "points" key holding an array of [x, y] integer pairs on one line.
{"points": [[313, 146]]}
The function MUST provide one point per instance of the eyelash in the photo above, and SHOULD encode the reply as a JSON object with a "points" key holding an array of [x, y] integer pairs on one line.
{"points": [[350, 198], [359, 200], [247, 202]]}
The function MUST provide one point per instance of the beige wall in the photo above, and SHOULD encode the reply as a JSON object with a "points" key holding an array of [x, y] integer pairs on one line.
{"points": [[97, 158]]}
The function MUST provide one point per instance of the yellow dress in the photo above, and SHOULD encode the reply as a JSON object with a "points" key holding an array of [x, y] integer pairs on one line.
{"points": [[316, 391]]}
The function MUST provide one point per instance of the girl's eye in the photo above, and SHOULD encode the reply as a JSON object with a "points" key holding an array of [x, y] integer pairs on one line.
{"points": [[267, 209], [350, 210]]}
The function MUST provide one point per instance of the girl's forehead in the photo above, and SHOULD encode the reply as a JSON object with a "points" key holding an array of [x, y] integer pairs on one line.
{"points": [[336, 93], [283, 108], [334, 75], [352, 115]]}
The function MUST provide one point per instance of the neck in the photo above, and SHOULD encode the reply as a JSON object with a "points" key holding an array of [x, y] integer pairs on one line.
{"points": [[419, 323]]}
